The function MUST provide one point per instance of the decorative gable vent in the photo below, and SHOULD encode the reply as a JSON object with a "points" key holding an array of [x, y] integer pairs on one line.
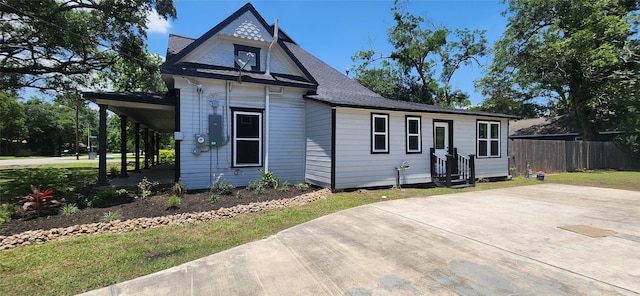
{"points": [[249, 31]]}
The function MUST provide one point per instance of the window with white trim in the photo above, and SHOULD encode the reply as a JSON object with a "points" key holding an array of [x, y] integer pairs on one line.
{"points": [[488, 139], [414, 138], [379, 133], [247, 139]]}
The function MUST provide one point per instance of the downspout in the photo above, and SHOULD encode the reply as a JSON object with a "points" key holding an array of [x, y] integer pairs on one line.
{"points": [[267, 100], [275, 39], [266, 136]]}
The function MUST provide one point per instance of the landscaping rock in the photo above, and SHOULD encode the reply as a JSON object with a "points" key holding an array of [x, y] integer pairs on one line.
{"points": [[57, 234]]}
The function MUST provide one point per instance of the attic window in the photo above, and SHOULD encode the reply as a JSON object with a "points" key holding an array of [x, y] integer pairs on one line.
{"points": [[246, 56]]}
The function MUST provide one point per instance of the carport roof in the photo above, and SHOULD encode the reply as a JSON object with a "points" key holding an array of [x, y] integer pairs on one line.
{"points": [[155, 110]]}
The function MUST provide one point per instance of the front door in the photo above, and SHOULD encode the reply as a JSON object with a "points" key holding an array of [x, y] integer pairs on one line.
{"points": [[441, 142], [441, 138]]}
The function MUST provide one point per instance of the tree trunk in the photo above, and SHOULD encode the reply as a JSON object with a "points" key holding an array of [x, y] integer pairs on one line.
{"points": [[579, 96]]}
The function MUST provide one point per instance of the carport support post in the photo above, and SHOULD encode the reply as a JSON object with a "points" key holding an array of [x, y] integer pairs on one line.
{"points": [[157, 148], [146, 148], [102, 147], [123, 147], [152, 148], [137, 128]]}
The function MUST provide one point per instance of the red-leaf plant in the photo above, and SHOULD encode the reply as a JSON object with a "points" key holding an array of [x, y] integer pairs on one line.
{"points": [[38, 200]]}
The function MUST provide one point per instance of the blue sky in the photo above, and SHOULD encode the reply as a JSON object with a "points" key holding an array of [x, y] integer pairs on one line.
{"points": [[334, 30]]}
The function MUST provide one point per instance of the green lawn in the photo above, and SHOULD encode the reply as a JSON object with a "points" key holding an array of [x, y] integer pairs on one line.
{"points": [[87, 263]]}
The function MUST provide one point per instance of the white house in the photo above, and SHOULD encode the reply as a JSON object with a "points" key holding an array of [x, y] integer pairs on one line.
{"points": [[246, 98]]}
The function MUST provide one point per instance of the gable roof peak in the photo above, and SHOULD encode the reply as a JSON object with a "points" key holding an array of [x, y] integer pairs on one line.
{"points": [[245, 29]]}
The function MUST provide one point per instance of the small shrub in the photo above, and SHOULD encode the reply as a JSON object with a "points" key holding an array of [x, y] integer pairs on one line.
{"points": [[269, 179], [6, 211], [302, 187], [69, 209], [113, 172], [226, 188], [178, 189], [109, 217], [122, 192], [284, 186], [253, 185], [167, 156], [173, 201], [221, 186], [38, 201], [107, 193], [144, 188], [94, 202], [239, 194], [213, 198], [259, 190]]}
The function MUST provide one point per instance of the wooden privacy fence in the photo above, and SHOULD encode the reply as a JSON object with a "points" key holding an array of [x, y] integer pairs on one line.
{"points": [[566, 156]]}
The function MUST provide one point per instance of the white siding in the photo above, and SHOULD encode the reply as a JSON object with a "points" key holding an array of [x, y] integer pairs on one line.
{"points": [[356, 166], [287, 142], [198, 170], [464, 138], [318, 133]]}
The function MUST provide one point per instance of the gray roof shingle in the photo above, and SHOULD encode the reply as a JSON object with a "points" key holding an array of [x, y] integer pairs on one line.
{"points": [[337, 89], [177, 43]]}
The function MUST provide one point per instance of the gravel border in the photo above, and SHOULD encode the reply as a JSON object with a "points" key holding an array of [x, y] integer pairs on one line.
{"points": [[58, 234]]}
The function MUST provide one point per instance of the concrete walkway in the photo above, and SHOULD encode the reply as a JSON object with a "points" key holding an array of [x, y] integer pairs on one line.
{"points": [[496, 242]]}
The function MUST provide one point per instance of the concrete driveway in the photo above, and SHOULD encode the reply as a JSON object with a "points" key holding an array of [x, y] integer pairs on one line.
{"points": [[496, 242]]}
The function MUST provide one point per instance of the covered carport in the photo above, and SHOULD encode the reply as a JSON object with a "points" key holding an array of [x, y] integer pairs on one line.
{"points": [[151, 113]]}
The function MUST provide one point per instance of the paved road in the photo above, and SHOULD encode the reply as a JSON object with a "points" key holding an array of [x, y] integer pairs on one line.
{"points": [[28, 161], [496, 242]]}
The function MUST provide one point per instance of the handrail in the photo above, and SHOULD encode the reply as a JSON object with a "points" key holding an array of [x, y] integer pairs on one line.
{"points": [[456, 166]]}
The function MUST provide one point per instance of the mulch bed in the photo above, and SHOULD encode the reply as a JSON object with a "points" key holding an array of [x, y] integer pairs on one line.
{"points": [[155, 206]]}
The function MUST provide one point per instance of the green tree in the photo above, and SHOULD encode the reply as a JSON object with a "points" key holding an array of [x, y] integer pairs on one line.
{"points": [[567, 52], [418, 50], [83, 117], [49, 126], [52, 44], [124, 75], [504, 96], [12, 120], [385, 81]]}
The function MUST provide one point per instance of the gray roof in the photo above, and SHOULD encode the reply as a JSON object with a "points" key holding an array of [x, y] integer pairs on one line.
{"points": [[336, 89], [177, 43]]}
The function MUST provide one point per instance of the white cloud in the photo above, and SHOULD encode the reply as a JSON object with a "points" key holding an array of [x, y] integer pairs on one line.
{"points": [[157, 24]]}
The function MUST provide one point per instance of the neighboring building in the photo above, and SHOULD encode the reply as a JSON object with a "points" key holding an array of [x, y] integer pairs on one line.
{"points": [[553, 128], [248, 98]]}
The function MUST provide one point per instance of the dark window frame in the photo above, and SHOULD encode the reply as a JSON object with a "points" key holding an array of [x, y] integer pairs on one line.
{"points": [[408, 135], [374, 133], [255, 50], [489, 139]]}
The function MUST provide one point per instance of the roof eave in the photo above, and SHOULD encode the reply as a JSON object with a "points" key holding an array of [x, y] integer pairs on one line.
{"points": [[452, 111]]}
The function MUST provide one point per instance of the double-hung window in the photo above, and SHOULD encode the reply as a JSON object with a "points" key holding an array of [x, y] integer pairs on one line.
{"points": [[247, 139], [414, 143], [379, 133], [488, 139]]}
